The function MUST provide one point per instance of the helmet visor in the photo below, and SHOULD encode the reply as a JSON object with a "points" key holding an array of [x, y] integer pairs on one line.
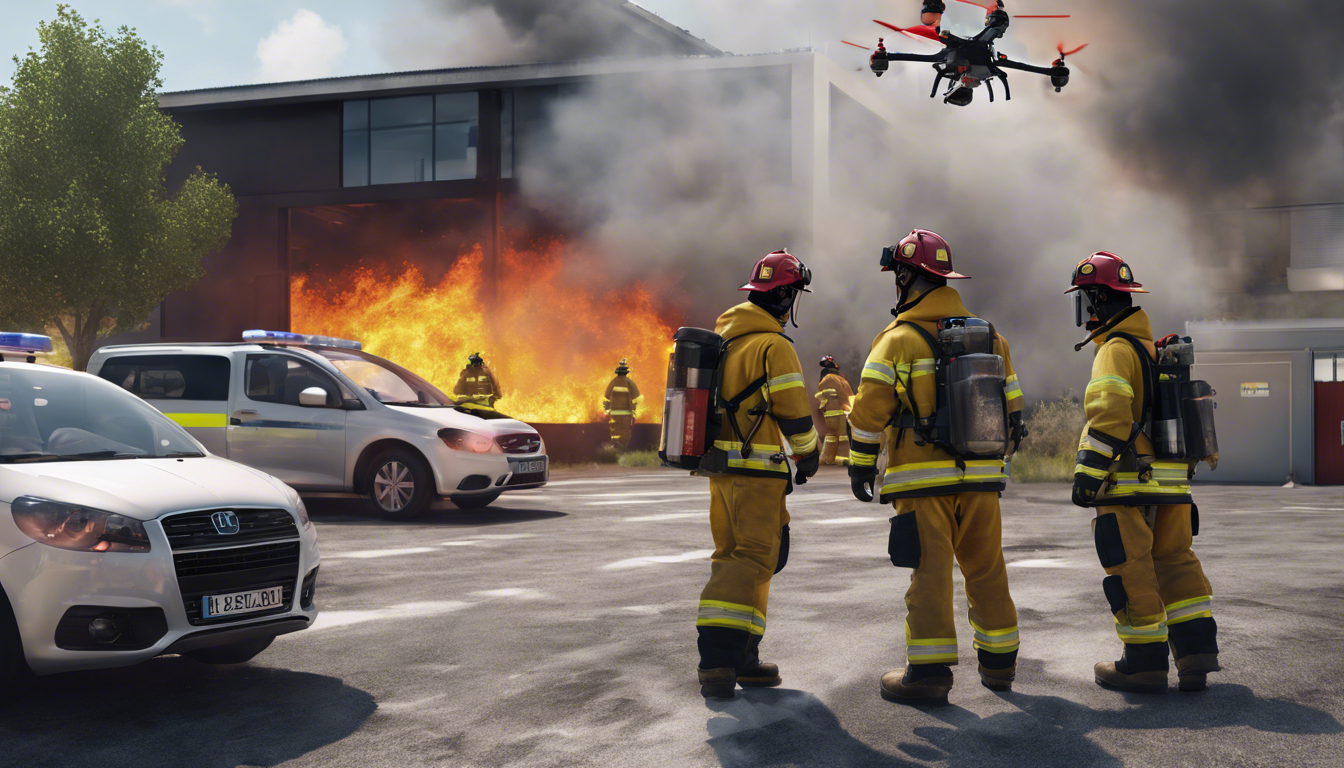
{"points": [[1082, 308]]}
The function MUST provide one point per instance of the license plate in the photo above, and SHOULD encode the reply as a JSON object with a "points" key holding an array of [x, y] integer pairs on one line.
{"points": [[528, 467], [242, 602]]}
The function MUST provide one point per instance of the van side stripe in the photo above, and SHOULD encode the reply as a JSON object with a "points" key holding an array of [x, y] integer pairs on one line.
{"points": [[200, 420]]}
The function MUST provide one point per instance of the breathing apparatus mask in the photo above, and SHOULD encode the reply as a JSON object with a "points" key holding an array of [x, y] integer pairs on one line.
{"points": [[784, 301], [1099, 303]]}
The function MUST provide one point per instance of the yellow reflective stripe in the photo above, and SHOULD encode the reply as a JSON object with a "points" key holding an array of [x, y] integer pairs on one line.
{"points": [[829, 414], [787, 381], [756, 461], [907, 477], [825, 393], [1128, 484], [805, 443], [1186, 610], [879, 371], [923, 367], [622, 413], [831, 439], [1012, 388], [1147, 633], [717, 613], [865, 437], [620, 389], [1083, 469], [200, 420], [1096, 445], [863, 459], [996, 640], [934, 650], [1115, 384]]}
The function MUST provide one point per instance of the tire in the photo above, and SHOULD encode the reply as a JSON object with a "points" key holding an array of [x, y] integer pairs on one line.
{"points": [[399, 484], [14, 672], [234, 653], [478, 501]]}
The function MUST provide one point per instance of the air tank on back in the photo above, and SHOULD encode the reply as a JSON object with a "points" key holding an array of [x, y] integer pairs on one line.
{"points": [[975, 387]]}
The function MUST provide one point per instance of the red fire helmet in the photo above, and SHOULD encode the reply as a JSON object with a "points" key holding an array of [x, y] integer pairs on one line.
{"points": [[926, 251], [778, 269], [1105, 269]]}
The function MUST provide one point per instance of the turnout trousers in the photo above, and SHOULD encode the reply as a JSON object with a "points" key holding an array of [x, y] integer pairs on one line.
{"points": [[836, 446], [927, 534], [1154, 581], [747, 516], [621, 429]]}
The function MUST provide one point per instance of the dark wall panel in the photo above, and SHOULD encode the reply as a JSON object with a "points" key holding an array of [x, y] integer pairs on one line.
{"points": [[263, 150]]}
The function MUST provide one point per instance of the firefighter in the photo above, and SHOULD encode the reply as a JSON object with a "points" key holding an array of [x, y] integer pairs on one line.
{"points": [[835, 398], [946, 506], [1145, 516], [477, 385], [621, 403], [767, 403]]}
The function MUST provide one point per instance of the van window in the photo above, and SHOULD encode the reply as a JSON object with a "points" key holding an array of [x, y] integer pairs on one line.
{"points": [[170, 377], [280, 379]]}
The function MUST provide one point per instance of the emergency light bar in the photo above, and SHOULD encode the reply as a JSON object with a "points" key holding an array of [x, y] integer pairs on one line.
{"points": [[25, 342], [285, 337]]}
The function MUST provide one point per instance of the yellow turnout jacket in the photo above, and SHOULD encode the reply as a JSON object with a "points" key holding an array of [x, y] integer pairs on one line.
{"points": [[622, 397]]}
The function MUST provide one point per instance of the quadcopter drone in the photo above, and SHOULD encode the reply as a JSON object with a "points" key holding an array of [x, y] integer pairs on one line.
{"points": [[969, 62]]}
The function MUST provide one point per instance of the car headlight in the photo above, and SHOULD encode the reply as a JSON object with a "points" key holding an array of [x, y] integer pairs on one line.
{"points": [[78, 528], [470, 442], [303, 512]]}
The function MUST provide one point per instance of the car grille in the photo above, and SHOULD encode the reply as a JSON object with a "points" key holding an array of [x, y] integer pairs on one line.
{"points": [[195, 529], [237, 569], [520, 443], [527, 478]]}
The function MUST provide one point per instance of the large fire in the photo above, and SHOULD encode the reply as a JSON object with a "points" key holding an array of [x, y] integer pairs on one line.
{"points": [[552, 342]]}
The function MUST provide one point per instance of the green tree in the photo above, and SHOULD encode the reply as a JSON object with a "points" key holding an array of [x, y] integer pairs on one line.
{"points": [[91, 241]]}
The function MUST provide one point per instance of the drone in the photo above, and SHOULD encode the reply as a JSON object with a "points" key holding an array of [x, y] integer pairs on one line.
{"points": [[969, 62]]}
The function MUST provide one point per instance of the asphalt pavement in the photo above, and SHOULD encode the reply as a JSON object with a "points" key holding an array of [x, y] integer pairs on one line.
{"points": [[556, 628]]}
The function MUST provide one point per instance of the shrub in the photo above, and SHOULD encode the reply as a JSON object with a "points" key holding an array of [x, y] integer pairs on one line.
{"points": [[1051, 449]]}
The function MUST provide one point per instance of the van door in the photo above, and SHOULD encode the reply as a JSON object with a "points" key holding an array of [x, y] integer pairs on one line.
{"points": [[270, 429], [191, 389]]}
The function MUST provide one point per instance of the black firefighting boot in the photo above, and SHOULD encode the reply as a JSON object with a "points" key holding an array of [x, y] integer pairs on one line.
{"points": [[997, 670], [1142, 668], [918, 684], [754, 674], [722, 652], [1194, 645]]}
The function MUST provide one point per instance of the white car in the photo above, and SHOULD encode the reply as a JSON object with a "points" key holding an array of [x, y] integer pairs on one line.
{"points": [[326, 417], [122, 538]]}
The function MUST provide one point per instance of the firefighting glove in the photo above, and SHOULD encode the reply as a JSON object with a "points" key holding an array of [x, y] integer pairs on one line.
{"points": [[807, 466], [861, 481], [1085, 489]]}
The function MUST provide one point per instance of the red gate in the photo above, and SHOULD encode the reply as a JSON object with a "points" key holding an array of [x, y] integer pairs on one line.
{"points": [[1330, 433]]}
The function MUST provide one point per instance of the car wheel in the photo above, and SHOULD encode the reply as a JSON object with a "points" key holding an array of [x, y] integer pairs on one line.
{"points": [[233, 653], [400, 485], [14, 670], [478, 501]]}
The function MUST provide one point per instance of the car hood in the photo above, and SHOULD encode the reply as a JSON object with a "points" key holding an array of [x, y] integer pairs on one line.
{"points": [[146, 488], [450, 417]]}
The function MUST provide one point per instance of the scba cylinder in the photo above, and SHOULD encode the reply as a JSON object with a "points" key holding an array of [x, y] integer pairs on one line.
{"points": [[689, 413], [979, 418]]}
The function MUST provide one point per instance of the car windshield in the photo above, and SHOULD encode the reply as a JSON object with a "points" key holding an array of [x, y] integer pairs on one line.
{"points": [[48, 415], [388, 382]]}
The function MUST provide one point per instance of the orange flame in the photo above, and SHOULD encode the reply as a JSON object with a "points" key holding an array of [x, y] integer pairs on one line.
{"points": [[553, 344]]}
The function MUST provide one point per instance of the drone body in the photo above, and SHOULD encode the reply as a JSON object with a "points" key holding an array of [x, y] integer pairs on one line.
{"points": [[969, 62]]}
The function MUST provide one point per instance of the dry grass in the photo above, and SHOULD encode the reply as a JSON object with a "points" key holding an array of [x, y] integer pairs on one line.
{"points": [[1050, 451], [640, 459]]}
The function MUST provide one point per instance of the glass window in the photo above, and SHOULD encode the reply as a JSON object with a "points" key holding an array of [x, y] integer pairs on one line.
{"points": [[357, 115], [355, 159], [400, 155], [383, 379], [170, 377], [506, 136], [455, 151], [280, 378], [1326, 369], [457, 107], [401, 111]]}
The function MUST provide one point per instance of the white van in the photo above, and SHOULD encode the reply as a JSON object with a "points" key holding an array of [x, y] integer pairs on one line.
{"points": [[326, 417]]}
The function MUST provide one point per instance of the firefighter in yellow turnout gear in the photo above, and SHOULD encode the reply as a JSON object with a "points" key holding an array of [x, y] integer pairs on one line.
{"points": [[1156, 588], [835, 397], [621, 403], [750, 476], [946, 507], [477, 386]]}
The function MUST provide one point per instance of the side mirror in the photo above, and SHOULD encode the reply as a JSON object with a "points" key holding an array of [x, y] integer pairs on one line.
{"points": [[313, 397]]}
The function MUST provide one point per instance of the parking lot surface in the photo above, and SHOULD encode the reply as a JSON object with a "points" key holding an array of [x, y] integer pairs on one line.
{"points": [[556, 628]]}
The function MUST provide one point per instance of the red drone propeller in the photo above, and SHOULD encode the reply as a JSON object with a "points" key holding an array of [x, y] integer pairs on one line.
{"points": [[1063, 52], [856, 45], [995, 7], [919, 32]]}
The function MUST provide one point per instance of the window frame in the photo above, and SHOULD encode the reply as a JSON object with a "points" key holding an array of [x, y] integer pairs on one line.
{"points": [[135, 361], [335, 389]]}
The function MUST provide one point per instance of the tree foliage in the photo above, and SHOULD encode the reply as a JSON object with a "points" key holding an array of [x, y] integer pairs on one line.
{"points": [[91, 241]]}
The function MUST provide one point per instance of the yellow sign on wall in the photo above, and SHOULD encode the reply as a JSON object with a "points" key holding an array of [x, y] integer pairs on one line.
{"points": [[1255, 389]]}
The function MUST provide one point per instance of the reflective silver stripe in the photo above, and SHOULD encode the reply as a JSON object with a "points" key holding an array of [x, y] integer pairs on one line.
{"points": [[923, 367], [1098, 445], [866, 437], [923, 651], [1203, 606], [880, 371], [989, 470], [620, 389], [1012, 388], [905, 476]]}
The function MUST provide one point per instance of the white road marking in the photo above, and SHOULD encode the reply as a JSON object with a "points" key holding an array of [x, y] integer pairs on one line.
{"points": [[1314, 509], [848, 520], [369, 554], [460, 543], [670, 516], [1046, 562], [520, 593], [638, 493], [645, 609], [403, 706], [505, 536], [639, 562], [333, 619], [622, 481]]}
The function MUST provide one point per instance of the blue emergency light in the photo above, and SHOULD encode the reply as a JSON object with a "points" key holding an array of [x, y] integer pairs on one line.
{"points": [[285, 337], [25, 342]]}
